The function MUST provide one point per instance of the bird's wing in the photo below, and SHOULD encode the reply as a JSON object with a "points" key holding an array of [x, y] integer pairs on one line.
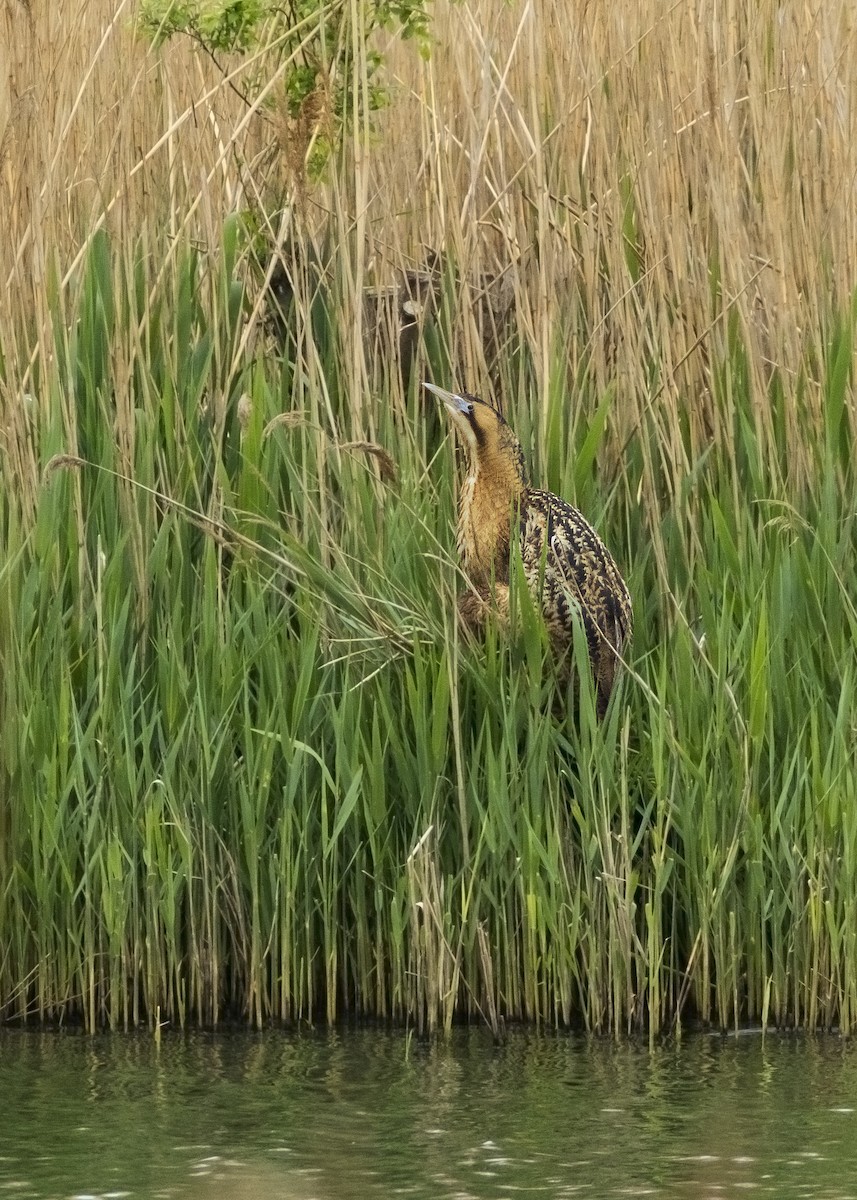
{"points": [[568, 564]]}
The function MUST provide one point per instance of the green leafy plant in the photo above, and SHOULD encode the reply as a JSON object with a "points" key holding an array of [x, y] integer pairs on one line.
{"points": [[316, 44]]}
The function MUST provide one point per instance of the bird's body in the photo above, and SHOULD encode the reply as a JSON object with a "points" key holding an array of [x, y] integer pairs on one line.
{"points": [[569, 571]]}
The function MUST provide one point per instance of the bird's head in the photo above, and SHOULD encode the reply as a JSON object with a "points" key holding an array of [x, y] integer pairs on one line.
{"points": [[488, 439]]}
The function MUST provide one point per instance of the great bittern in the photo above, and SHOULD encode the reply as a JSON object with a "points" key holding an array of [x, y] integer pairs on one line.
{"points": [[569, 571]]}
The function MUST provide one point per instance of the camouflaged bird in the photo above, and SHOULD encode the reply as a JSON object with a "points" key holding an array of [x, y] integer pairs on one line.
{"points": [[569, 570]]}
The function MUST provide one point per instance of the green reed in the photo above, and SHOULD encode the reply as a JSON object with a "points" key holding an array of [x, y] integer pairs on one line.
{"points": [[252, 767]]}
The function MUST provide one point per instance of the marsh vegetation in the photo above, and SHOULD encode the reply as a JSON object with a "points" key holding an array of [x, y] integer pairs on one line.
{"points": [[248, 763]]}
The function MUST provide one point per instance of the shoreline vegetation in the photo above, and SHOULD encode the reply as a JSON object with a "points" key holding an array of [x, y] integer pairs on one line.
{"points": [[249, 765]]}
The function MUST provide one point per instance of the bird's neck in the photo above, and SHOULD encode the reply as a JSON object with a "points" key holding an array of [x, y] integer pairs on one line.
{"points": [[491, 492]]}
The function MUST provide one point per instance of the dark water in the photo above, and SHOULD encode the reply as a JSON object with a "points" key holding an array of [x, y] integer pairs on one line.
{"points": [[370, 1114]]}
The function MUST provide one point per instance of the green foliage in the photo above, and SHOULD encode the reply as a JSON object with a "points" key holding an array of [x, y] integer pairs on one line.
{"points": [[316, 43], [221, 25], [249, 764]]}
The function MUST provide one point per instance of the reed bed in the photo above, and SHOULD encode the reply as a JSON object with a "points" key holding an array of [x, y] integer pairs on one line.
{"points": [[250, 766]]}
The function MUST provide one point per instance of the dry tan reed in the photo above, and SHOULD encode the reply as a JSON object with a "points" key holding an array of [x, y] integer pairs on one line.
{"points": [[663, 170]]}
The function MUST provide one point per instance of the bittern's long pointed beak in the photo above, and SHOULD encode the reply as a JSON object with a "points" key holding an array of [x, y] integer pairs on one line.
{"points": [[455, 403]]}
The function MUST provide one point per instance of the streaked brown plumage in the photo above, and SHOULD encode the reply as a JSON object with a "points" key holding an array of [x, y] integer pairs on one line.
{"points": [[568, 568]]}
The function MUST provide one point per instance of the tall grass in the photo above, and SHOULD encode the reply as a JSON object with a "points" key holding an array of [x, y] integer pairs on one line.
{"points": [[249, 763]]}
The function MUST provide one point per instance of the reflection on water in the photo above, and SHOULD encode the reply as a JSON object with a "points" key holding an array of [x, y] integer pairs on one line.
{"points": [[371, 1114]]}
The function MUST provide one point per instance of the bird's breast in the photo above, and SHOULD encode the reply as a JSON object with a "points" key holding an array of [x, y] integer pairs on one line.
{"points": [[483, 531]]}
